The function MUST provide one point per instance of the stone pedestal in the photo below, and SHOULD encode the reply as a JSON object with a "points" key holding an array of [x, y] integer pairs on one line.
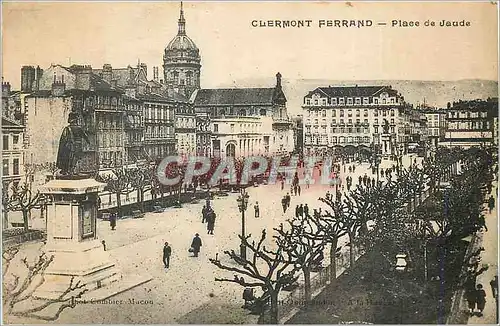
{"points": [[72, 238]]}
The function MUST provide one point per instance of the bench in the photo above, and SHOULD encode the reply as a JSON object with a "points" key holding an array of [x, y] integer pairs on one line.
{"points": [[137, 214], [158, 209]]}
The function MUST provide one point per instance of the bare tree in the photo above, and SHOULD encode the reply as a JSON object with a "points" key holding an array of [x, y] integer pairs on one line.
{"points": [[119, 184], [140, 181], [332, 229], [22, 288], [23, 199], [272, 270], [303, 243]]}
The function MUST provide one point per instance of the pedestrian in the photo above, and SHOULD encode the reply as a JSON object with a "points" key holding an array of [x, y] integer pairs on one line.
{"points": [[295, 189], [373, 183], [307, 182], [211, 222], [350, 170], [204, 213], [327, 195], [284, 204], [196, 245], [298, 189], [282, 184], [306, 210], [494, 287], [480, 299], [382, 173], [288, 199], [301, 210], [360, 180], [491, 203], [167, 251], [256, 209], [470, 293], [297, 211], [112, 221]]}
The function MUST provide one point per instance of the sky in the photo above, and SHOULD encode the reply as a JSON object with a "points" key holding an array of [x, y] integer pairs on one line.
{"points": [[121, 33]]}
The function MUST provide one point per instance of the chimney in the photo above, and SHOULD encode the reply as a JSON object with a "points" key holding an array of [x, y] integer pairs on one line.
{"points": [[145, 68], [5, 88], [155, 74], [27, 78], [278, 80], [82, 76], [107, 72], [58, 88]]}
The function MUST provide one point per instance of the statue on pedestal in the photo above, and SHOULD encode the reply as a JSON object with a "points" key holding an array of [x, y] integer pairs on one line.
{"points": [[71, 146]]}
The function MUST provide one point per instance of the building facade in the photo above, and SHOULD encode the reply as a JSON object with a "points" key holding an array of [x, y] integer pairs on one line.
{"points": [[98, 105], [247, 121], [185, 130], [471, 123], [355, 117], [159, 125], [436, 125], [12, 152]]}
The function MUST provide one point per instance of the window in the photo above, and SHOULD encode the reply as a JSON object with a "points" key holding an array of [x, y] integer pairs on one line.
{"points": [[334, 101], [232, 127], [5, 143], [15, 141], [393, 100], [365, 121], [341, 121], [315, 121], [323, 113], [358, 100], [349, 101], [366, 100], [375, 121], [375, 100], [349, 122], [392, 129], [316, 102], [341, 101], [5, 168], [392, 112], [349, 113], [216, 128], [323, 101], [365, 112], [358, 113], [15, 166], [176, 77], [189, 77], [384, 113], [358, 121], [392, 121], [375, 113], [308, 101], [341, 113], [334, 113]]}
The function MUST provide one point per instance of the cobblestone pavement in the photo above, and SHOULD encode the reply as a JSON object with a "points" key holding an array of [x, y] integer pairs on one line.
{"points": [[136, 247]]}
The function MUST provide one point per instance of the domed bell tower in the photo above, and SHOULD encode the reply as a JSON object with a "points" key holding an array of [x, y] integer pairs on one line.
{"points": [[182, 61]]}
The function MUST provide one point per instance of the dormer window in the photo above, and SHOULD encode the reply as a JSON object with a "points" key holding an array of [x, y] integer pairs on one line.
{"points": [[366, 100], [349, 101], [375, 100], [308, 101], [341, 101], [323, 101], [334, 101], [358, 100]]}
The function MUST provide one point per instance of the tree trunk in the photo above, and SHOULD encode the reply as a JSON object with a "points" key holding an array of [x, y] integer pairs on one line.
{"points": [[333, 260], [307, 283], [26, 220], [274, 313], [118, 203], [5, 218], [351, 251]]}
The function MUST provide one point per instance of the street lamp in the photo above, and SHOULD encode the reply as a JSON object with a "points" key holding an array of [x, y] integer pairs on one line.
{"points": [[243, 205]]}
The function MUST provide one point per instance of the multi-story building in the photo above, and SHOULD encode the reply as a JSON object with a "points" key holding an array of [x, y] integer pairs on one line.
{"points": [[159, 127], [247, 121], [100, 111], [134, 130], [436, 125], [185, 129], [471, 123], [353, 118], [12, 152]]}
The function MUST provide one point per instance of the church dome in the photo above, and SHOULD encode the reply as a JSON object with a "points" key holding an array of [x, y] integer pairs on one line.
{"points": [[181, 42]]}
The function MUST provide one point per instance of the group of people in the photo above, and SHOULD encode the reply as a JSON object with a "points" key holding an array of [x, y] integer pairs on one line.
{"points": [[301, 210], [167, 250], [209, 216], [285, 202]]}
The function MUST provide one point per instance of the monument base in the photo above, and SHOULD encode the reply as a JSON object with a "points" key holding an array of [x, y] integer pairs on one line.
{"points": [[86, 262]]}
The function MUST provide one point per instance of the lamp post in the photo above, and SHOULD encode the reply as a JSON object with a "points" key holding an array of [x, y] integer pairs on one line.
{"points": [[242, 205], [401, 268]]}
